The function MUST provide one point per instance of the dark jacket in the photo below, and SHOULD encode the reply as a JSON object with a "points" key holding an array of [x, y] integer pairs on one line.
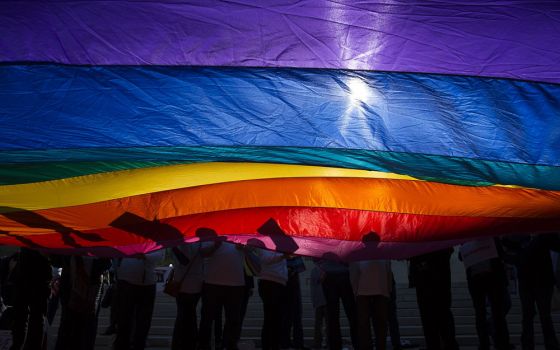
{"points": [[531, 257], [33, 269], [430, 267]]}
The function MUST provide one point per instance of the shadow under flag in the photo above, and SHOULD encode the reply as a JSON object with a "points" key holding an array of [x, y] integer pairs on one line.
{"points": [[34, 220], [282, 241]]}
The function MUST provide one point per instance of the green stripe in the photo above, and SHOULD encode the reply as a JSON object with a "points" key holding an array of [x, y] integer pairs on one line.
{"points": [[42, 165], [11, 174]]}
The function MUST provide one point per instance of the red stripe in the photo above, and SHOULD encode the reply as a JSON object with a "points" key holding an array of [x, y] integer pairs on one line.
{"points": [[278, 222]]}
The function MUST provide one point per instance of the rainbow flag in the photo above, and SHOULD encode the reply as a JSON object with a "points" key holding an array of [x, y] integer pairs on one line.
{"points": [[359, 129]]}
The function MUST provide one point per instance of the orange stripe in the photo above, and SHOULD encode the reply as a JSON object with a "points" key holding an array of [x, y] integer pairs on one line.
{"points": [[383, 195]]}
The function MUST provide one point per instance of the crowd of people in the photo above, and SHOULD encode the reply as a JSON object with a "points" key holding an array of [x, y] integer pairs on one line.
{"points": [[213, 282]]}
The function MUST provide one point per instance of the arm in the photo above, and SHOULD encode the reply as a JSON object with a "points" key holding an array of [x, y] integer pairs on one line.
{"points": [[269, 257], [179, 256], [274, 259]]}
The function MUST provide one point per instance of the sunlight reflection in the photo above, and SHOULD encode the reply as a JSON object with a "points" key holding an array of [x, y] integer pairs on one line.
{"points": [[359, 92]]}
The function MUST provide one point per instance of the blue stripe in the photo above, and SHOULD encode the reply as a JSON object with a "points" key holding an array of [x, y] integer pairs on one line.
{"points": [[454, 170], [51, 106]]}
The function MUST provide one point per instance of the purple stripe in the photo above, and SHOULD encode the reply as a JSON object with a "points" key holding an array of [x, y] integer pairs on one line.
{"points": [[312, 247], [510, 39]]}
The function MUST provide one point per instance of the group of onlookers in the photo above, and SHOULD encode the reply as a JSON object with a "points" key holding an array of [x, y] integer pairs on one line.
{"points": [[216, 280], [34, 290], [486, 262], [223, 274]]}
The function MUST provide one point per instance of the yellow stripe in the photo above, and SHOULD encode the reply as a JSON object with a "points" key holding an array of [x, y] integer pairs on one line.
{"points": [[119, 184]]}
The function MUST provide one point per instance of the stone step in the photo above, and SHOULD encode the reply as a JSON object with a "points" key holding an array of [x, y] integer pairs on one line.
{"points": [[255, 313], [104, 342], [255, 307], [309, 320], [514, 322], [254, 331], [410, 324], [307, 300]]}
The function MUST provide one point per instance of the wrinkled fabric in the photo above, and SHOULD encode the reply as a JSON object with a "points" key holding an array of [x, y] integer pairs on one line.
{"points": [[511, 39], [27, 166], [379, 195], [50, 106], [115, 118], [317, 232], [115, 185]]}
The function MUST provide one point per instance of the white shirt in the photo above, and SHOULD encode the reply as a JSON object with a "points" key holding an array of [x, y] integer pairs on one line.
{"points": [[273, 266], [371, 277], [140, 271], [225, 267], [191, 275], [478, 251]]}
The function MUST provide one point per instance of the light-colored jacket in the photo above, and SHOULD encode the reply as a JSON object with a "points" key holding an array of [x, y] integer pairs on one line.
{"points": [[371, 277], [273, 266], [140, 271]]}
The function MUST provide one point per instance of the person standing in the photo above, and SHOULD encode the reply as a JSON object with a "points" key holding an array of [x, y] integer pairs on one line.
{"points": [[80, 285], [292, 327], [487, 280], [371, 281], [336, 287], [189, 272], [248, 293], [32, 277], [224, 286], [110, 299], [319, 304], [136, 296], [431, 275], [272, 290], [531, 256]]}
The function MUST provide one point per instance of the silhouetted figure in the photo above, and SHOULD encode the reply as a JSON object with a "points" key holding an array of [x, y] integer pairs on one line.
{"points": [[272, 290], [487, 281], [219, 328], [371, 281], [247, 293], [337, 287], [189, 272], [112, 297], [224, 286], [531, 256], [136, 297], [8, 278], [292, 328], [431, 275], [54, 298], [319, 304], [32, 278], [7, 289], [80, 285], [249, 287]]}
